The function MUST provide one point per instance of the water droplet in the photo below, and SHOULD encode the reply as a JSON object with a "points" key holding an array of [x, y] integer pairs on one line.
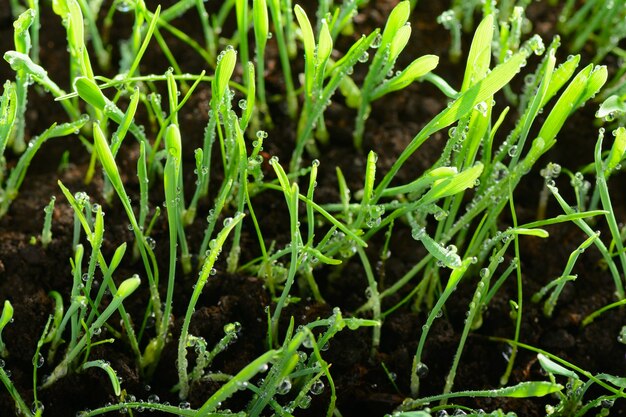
{"points": [[482, 108], [607, 403], [37, 407], [364, 57], [38, 360], [305, 402], [377, 41], [232, 328], [317, 388], [123, 6], [418, 233], [622, 335], [421, 370], [307, 342], [284, 386]]}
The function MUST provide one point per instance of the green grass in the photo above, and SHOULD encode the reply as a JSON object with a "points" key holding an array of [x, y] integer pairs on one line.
{"points": [[494, 136]]}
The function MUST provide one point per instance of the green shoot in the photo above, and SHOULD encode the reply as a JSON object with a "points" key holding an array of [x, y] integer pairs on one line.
{"points": [[242, 12], [338, 73], [125, 289], [22, 63], [46, 233], [22, 41], [90, 13], [280, 22], [380, 79], [108, 163], [316, 58], [8, 114], [106, 367], [5, 318], [73, 20], [291, 193], [19, 401], [261, 32], [605, 198], [172, 190], [619, 286], [207, 270], [450, 21], [419, 369], [18, 173], [559, 283], [521, 390]]}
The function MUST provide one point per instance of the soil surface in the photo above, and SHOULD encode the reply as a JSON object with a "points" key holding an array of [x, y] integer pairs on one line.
{"points": [[366, 386]]}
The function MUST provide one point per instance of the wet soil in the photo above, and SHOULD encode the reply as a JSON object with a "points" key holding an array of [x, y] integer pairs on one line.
{"points": [[366, 385]]}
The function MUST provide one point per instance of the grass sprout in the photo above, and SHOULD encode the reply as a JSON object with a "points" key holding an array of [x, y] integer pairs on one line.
{"points": [[378, 80], [11, 185], [5, 318], [46, 233], [22, 41]]}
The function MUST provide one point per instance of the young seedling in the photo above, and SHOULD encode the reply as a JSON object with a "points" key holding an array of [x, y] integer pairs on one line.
{"points": [[172, 196], [419, 369], [73, 20], [8, 115], [526, 389], [125, 289], [46, 233], [243, 26], [261, 33], [20, 405], [90, 92], [281, 25], [337, 73], [558, 284], [316, 58], [451, 22], [5, 318], [20, 62], [21, 36], [90, 13], [604, 26], [381, 77], [106, 367], [207, 271], [18, 173], [110, 168]]}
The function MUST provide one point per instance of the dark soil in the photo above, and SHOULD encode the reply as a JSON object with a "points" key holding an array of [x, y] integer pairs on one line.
{"points": [[28, 271]]}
